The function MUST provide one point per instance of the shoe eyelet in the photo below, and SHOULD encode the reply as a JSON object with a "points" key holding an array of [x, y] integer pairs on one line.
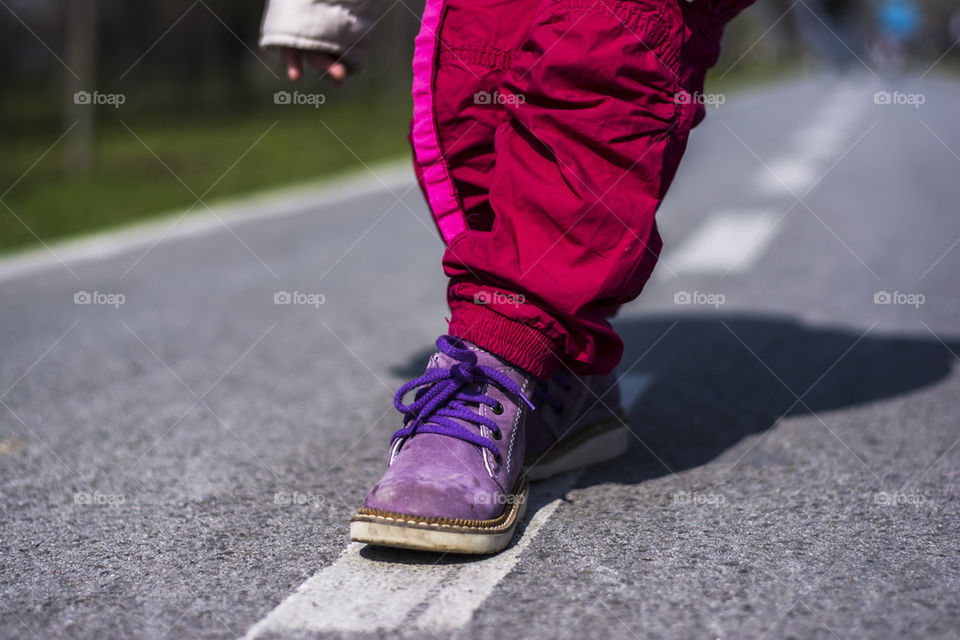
{"points": [[497, 434], [498, 409], [498, 458]]}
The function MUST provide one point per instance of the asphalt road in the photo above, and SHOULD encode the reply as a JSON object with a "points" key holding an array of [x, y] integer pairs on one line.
{"points": [[180, 454]]}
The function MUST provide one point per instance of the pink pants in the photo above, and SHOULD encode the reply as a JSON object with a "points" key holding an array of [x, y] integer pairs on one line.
{"points": [[545, 135]]}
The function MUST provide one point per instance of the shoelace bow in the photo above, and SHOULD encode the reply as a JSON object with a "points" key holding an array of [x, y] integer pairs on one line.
{"points": [[444, 396]]}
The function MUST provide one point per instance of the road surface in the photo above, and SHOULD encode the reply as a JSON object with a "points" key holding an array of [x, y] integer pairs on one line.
{"points": [[180, 451]]}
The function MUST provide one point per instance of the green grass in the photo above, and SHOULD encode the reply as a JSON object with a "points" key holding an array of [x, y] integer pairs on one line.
{"points": [[219, 153], [723, 79], [211, 151]]}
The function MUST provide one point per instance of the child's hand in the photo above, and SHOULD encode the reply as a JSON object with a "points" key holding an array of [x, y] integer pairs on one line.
{"points": [[325, 63]]}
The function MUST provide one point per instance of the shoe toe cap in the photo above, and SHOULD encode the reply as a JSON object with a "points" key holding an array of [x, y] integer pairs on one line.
{"points": [[451, 497]]}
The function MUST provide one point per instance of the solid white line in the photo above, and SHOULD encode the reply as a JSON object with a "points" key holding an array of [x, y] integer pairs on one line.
{"points": [[280, 203], [728, 241], [363, 595], [454, 605]]}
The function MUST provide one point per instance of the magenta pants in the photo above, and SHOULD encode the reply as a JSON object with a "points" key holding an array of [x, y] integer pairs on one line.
{"points": [[545, 135]]}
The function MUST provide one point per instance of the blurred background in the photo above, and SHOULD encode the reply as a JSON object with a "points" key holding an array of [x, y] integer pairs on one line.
{"points": [[187, 98]]}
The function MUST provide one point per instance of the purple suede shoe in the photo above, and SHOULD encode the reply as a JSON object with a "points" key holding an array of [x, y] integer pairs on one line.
{"points": [[454, 481], [578, 422]]}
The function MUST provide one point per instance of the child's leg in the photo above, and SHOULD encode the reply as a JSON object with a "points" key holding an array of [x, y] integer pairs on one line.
{"points": [[592, 139], [462, 51], [455, 478], [586, 117]]}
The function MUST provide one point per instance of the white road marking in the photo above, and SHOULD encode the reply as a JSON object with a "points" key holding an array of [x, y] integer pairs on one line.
{"points": [[632, 386], [471, 584], [820, 139], [362, 594], [732, 241], [729, 241], [818, 143], [787, 176], [273, 204]]}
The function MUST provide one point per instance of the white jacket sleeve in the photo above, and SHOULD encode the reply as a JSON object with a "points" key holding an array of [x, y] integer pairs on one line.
{"points": [[337, 27]]}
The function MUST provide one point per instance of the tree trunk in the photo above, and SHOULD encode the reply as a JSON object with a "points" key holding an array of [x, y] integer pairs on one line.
{"points": [[80, 27]]}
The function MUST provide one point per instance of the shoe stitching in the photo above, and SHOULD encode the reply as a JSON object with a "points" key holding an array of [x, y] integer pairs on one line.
{"points": [[516, 421], [519, 495]]}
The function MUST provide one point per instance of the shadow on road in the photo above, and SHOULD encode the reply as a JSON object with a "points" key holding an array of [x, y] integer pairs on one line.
{"points": [[720, 378], [717, 379]]}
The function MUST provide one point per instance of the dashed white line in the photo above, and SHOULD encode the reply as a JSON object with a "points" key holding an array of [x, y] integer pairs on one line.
{"points": [[819, 142], [729, 241], [633, 386], [787, 176], [732, 241], [821, 138]]}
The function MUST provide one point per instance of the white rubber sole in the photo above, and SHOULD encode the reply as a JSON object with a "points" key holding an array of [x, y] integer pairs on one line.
{"points": [[598, 443], [409, 532]]}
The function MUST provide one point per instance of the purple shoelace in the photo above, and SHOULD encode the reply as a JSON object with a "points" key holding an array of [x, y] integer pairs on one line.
{"points": [[445, 396]]}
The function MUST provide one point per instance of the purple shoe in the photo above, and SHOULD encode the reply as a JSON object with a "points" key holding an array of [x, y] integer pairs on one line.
{"points": [[454, 481], [578, 422]]}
